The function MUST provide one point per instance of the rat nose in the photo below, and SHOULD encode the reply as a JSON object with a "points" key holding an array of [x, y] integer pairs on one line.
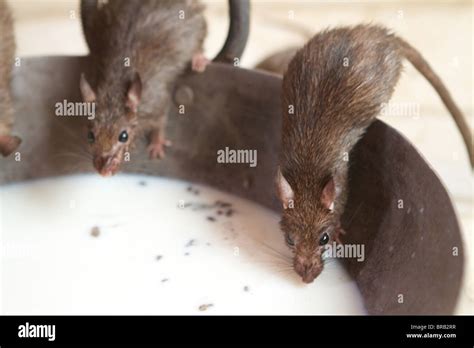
{"points": [[106, 165], [306, 270]]}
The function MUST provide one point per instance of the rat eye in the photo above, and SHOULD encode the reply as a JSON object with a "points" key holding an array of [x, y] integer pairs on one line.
{"points": [[90, 137], [123, 137], [289, 241], [324, 239]]}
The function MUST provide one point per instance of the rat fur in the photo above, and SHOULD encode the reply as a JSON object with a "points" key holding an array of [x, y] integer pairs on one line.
{"points": [[333, 89], [8, 142], [159, 39]]}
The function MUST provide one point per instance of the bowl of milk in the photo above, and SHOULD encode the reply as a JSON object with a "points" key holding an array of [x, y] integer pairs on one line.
{"points": [[142, 245]]}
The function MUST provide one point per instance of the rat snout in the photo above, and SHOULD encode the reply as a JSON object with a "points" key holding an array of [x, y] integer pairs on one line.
{"points": [[106, 165], [307, 269]]}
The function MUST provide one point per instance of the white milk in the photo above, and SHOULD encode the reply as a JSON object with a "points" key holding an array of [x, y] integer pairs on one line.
{"points": [[151, 255]]}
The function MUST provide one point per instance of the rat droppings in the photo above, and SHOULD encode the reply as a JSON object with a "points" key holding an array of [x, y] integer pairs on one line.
{"points": [[164, 280], [229, 212], [142, 183], [211, 218], [159, 257], [190, 243], [246, 288], [95, 231], [223, 204], [193, 190], [205, 307]]}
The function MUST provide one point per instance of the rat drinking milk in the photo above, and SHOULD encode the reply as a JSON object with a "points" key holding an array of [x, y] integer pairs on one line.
{"points": [[327, 106], [138, 48], [8, 142]]}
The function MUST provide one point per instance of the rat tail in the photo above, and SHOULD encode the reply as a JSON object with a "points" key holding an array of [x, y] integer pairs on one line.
{"points": [[88, 8], [425, 69]]}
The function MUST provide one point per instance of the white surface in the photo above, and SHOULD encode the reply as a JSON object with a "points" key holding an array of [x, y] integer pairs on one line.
{"points": [[52, 264]]}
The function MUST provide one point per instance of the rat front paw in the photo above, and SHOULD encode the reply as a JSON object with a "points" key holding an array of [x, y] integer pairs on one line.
{"points": [[156, 149], [199, 62]]}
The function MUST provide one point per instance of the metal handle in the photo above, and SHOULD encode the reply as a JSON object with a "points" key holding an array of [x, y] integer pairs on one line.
{"points": [[234, 46]]}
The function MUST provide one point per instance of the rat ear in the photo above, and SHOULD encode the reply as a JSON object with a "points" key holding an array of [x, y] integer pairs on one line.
{"points": [[134, 93], [284, 190], [87, 92], [8, 144], [329, 194]]}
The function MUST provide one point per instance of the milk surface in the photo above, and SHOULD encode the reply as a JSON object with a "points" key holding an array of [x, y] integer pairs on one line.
{"points": [[135, 244]]}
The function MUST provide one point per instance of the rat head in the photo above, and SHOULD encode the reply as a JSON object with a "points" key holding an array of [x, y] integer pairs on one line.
{"points": [[308, 224], [112, 131]]}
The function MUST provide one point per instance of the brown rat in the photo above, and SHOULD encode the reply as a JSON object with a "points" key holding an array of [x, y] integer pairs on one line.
{"points": [[8, 142], [158, 39], [333, 103], [279, 61]]}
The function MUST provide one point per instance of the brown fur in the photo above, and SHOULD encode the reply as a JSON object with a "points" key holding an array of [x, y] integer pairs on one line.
{"points": [[279, 61], [160, 46], [333, 105], [8, 143]]}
